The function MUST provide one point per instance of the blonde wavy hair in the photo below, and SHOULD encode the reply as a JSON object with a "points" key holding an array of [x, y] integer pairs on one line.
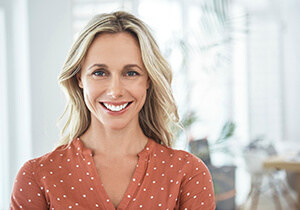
{"points": [[159, 114]]}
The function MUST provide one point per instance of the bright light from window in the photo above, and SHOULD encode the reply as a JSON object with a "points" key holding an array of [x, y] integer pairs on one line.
{"points": [[83, 11]]}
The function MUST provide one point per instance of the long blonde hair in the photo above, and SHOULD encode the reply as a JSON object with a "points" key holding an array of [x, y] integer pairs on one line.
{"points": [[159, 113]]}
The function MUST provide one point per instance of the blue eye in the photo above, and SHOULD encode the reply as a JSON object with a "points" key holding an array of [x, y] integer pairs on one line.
{"points": [[99, 73], [132, 73]]}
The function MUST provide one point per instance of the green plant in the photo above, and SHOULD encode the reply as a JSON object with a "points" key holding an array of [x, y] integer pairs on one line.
{"points": [[221, 144], [186, 121]]}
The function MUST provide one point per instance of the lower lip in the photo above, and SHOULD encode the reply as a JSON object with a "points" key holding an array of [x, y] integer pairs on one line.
{"points": [[115, 113]]}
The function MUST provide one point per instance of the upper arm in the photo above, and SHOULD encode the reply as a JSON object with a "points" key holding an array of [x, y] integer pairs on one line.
{"points": [[197, 187], [27, 193]]}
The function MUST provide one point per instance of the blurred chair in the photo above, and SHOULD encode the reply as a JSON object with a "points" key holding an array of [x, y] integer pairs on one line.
{"points": [[293, 179], [254, 158], [223, 177], [200, 148]]}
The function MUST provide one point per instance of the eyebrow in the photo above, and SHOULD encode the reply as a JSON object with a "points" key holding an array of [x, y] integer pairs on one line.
{"points": [[97, 65], [133, 65], [105, 66]]}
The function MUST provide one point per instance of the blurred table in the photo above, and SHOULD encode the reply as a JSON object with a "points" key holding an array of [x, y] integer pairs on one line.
{"points": [[286, 162]]}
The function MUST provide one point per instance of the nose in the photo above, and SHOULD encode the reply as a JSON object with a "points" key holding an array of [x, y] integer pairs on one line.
{"points": [[115, 87]]}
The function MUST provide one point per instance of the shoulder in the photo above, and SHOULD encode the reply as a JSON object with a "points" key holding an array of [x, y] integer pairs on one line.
{"points": [[34, 171], [180, 159], [47, 159], [175, 154], [196, 186], [37, 167], [29, 189]]}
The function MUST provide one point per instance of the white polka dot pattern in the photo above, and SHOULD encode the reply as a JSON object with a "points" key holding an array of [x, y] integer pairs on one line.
{"points": [[67, 179]]}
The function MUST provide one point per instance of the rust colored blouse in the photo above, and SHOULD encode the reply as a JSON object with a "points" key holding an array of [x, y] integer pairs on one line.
{"points": [[66, 178]]}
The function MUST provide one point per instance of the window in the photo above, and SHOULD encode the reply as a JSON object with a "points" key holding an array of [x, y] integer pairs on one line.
{"points": [[83, 10], [265, 81]]}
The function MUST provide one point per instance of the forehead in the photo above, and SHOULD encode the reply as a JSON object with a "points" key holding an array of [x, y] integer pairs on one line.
{"points": [[112, 43], [114, 49], [124, 35]]}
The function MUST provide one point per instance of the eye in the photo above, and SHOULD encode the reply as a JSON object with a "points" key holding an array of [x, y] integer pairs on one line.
{"points": [[99, 73], [132, 73]]}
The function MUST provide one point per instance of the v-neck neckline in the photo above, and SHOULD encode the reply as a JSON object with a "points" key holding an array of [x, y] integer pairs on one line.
{"points": [[134, 183]]}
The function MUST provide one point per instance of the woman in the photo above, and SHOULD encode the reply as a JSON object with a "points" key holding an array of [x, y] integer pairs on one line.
{"points": [[115, 151]]}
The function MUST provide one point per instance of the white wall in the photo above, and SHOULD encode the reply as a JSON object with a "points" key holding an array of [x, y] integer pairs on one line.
{"points": [[50, 36], [38, 37], [290, 12], [18, 137], [286, 14]]}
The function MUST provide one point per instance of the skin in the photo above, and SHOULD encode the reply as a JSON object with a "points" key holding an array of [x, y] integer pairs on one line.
{"points": [[113, 73]]}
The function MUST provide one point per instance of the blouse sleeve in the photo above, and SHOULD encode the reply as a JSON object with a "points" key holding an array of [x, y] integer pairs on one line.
{"points": [[197, 187], [26, 193]]}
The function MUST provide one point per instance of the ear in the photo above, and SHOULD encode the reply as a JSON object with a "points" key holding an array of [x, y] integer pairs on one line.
{"points": [[78, 77], [148, 82]]}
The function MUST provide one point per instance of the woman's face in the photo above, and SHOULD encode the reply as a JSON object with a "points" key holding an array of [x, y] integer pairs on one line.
{"points": [[114, 80]]}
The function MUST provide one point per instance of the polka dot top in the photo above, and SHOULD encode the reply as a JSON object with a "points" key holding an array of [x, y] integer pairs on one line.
{"points": [[66, 178]]}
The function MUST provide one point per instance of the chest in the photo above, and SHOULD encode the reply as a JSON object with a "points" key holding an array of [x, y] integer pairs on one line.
{"points": [[116, 175]]}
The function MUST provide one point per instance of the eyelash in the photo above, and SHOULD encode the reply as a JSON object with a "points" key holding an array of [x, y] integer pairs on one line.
{"points": [[132, 72], [100, 73], [97, 72]]}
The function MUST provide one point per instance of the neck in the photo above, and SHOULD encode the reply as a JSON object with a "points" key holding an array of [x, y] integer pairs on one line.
{"points": [[127, 141]]}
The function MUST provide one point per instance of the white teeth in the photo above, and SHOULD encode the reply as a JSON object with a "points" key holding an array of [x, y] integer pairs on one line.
{"points": [[115, 108]]}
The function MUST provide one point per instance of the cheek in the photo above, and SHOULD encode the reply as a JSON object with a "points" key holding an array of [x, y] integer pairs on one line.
{"points": [[91, 92], [139, 90], [141, 94]]}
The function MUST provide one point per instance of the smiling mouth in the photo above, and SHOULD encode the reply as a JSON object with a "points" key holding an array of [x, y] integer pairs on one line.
{"points": [[115, 108]]}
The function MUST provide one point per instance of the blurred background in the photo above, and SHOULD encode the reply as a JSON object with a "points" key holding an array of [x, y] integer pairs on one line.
{"points": [[236, 82]]}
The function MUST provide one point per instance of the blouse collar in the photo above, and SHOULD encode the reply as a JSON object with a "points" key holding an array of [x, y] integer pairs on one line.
{"points": [[79, 147]]}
